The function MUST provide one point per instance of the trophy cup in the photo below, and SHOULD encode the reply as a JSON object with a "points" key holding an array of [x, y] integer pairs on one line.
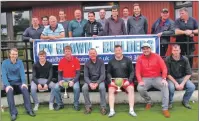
{"points": [[119, 83], [65, 85]]}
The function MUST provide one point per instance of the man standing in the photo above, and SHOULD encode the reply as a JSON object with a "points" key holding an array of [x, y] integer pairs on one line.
{"points": [[13, 77], [120, 67], [114, 25], [151, 71], [92, 27], [94, 76], [125, 16], [76, 26], [186, 27], [42, 76], [164, 28], [137, 24], [68, 71], [63, 21], [44, 21], [179, 73], [53, 31], [32, 32], [102, 14]]}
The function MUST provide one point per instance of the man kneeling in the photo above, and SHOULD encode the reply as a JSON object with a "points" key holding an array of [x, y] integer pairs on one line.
{"points": [[120, 67]]}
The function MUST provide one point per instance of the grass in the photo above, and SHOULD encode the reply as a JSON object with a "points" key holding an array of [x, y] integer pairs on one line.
{"points": [[178, 113]]}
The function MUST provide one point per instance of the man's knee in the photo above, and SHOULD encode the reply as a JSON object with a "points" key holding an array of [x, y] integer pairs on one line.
{"points": [[76, 87], [130, 89], [191, 87], [102, 87], [85, 87], [111, 90], [140, 88]]}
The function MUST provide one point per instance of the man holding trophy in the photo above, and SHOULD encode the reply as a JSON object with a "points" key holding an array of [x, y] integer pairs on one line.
{"points": [[120, 73], [94, 76], [68, 75]]}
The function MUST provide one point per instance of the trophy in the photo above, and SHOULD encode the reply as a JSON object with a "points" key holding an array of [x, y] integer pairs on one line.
{"points": [[118, 83], [65, 85]]}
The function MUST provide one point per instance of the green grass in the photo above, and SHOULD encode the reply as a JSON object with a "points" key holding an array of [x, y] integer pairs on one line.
{"points": [[178, 113]]}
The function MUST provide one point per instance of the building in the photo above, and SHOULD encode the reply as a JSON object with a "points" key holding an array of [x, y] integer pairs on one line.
{"points": [[16, 16]]}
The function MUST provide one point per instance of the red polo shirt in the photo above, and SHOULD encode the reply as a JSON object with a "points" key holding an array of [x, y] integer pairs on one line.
{"points": [[69, 67]]}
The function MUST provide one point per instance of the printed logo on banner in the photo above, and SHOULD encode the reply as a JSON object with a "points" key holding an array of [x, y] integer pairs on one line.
{"points": [[131, 45]]}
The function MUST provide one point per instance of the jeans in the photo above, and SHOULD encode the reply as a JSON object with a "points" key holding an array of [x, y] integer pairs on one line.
{"points": [[34, 90], [189, 87], [76, 91]]}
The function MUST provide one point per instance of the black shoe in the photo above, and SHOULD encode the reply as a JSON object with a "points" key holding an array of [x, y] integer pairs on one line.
{"points": [[88, 110], [31, 113], [13, 117], [59, 107], [186, 105], [77, 108]]}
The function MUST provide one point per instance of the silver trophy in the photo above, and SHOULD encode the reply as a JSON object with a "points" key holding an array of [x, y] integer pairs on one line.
{"points": [[66, 85]]}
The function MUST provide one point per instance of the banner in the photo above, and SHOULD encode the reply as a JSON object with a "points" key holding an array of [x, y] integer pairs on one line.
{"points": [[104, 45]]}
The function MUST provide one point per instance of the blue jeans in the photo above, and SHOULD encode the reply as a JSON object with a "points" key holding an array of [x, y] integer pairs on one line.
{"points": [[189, 87], [76, 91]]}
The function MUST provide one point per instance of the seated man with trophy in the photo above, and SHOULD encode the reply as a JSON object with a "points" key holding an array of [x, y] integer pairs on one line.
{"points": [[68, 76], [94, 76], [120, 73], [42, 79]]}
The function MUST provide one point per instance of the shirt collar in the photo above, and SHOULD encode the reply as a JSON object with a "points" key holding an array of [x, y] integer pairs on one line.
{"points": [[181, 58], [55, 28], [17, 61]]}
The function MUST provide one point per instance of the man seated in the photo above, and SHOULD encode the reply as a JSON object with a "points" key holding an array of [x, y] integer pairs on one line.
{"points": [[120, 67], [42, 76], [94, 76], [151, 71], [13, 76], [68, 71], [179, 73]]}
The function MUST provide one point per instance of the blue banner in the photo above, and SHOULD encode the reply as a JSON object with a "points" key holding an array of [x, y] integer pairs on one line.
{"points": [[104, 45]]}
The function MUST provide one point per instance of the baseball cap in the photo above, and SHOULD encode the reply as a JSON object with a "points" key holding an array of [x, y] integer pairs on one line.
{"points": [[146, 45], [165, 10]]}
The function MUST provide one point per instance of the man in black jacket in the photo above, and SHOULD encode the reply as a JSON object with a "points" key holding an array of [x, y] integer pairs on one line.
{"points": [[93, 28]]}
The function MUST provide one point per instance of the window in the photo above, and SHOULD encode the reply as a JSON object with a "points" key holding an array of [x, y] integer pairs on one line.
{"points": [[4, 32], [21, 21]]}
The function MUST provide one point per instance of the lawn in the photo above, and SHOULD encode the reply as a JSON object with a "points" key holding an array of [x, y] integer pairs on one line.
{"points": [[178, 113]]}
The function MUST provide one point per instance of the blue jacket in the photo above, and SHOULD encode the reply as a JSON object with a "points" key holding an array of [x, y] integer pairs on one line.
{"points": [[13, 73]]}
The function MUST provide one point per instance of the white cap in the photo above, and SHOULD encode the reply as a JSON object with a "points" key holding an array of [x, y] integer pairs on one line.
{"points": [[146, 45]]}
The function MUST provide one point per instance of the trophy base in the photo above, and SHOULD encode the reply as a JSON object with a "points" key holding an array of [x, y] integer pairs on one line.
{"points": [[66, 96], [118, 90]]}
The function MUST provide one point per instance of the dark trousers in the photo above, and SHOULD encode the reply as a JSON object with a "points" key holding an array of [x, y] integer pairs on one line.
{"points": [[163, 49], [11, 101]]}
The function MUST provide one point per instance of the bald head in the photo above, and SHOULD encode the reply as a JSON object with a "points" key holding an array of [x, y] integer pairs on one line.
{"points": [[78, 14], [53, 21]]}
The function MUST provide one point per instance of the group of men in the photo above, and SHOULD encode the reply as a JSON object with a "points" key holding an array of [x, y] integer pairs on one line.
{"points": [[151, 71]]}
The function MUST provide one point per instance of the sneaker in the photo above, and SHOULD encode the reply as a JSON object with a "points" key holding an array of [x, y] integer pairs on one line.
{"points": [[51, 107], [166, 113], [111, 114], [148, 106], [186, 105], [132, 113], [77, 108], [36, 107], [170, 106]]}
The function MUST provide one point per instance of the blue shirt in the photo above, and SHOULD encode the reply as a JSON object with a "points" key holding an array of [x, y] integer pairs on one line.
{"points": [[13, 73], [49, 32]]}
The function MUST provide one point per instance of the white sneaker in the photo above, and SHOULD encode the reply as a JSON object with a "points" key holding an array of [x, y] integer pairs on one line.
{"points": [[51, 106], [36, 107], [132, 113], [111, 114]]}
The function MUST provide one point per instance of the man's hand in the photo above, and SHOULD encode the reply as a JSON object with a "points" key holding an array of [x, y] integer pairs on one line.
{"points": [[24, 85], [141, 83], [7, 88], [46, 87], [159, 34], [71, 83], [126, 83], [164, 82], [95, 85], [94, 35], [61, 83], [113, 84], [181, 86], [52, 37], [39, 87], [188, 32], [92, 86]]}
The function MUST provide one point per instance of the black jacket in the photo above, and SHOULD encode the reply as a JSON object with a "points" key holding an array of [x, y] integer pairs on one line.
{"points": [[94, 28]]}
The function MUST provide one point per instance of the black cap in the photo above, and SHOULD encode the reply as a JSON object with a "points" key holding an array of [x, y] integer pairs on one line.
{"points": [[165, 10]]}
